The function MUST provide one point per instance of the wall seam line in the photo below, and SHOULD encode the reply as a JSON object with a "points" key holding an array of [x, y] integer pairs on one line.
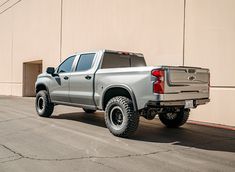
{"points": [[61, 27], [184, 21], [12, 44]]}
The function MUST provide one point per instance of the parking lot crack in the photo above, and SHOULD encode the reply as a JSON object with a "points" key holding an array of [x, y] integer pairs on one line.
{"points": [[95, 157], [16, 156], [91, 157], [10, 160], [12, 151]]}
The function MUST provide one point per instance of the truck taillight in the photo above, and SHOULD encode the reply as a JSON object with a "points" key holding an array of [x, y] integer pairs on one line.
{"points": [[158, 86]]}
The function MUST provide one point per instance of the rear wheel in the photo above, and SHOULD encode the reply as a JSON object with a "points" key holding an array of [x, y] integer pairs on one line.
{"points": [[174, 119], [89, 110], [43, 105], [120, 118]]}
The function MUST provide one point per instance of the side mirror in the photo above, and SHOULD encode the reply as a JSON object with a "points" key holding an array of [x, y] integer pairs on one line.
{"points": [[50, 70]]}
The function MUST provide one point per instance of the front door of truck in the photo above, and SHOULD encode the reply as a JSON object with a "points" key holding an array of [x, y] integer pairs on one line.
{"points": [[59, 85], [81, 80]]}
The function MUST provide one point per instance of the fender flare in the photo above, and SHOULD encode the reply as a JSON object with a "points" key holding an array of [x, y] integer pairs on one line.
{"points": [[127, 88]]}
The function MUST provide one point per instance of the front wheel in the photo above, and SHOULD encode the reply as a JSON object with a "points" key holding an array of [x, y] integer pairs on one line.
{"points": [[120, 118], [174, 119], [43, 105]]}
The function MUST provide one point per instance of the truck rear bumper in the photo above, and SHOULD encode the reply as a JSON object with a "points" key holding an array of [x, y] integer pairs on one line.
{"points": [[196, 102]]}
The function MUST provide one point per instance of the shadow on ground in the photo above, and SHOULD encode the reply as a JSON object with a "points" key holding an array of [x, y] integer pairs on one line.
{"points": [[190, 135]]}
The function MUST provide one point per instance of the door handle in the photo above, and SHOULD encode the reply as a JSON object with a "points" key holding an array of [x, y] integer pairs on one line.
{"points": [[88, 77], [66, 77]]}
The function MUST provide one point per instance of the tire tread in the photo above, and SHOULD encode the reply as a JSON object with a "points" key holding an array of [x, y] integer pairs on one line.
{"points": [[49, 107], [133, 118], [180, 120]]}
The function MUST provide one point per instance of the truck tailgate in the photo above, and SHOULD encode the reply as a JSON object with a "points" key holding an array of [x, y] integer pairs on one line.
{"points": [[188, 82]]}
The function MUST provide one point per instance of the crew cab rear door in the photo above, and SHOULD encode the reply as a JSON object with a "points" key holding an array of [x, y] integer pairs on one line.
{"points": [[81, 80]]}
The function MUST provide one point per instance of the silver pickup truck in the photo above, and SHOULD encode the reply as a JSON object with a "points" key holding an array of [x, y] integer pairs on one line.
{"points": [[121, 84]]}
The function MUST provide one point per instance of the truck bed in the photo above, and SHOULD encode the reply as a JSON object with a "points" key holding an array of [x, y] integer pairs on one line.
{"points": [[180, 83]]}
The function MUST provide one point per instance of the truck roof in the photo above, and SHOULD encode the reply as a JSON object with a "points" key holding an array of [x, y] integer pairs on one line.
{"points": [[111, 51]]}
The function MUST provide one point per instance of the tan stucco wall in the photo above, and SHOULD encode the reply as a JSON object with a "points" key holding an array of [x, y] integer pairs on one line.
{"points": [[153, 27], [210, 42], [31, 30], [5, 53]]}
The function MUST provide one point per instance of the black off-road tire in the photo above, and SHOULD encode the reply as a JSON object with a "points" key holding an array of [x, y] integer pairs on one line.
{"points": [[180, 119], [130, 120], [89, 110], [43, 105]]}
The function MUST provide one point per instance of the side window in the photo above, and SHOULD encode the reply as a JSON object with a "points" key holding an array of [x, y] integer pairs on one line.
{"points": [[117, 60], [85, 62], [114, 60], [66, 66], [137, 61]]}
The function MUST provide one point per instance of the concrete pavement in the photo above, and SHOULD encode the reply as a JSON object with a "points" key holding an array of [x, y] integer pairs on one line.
{"points": [[72, 140]]}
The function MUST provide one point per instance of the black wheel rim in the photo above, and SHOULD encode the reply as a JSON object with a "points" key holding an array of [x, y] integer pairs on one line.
{"points": [[40, 104], [116, 117], [171, 115]]}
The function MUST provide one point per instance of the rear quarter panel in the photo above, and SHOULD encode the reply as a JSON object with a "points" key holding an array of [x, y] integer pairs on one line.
{"points": [[136, 79]]}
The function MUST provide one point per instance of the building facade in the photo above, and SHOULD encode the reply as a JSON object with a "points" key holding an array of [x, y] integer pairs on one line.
{"points": [[35, 34]]}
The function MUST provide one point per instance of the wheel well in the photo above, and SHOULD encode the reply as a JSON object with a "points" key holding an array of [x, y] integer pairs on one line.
{"points": [[40, 87], [113, 92]]}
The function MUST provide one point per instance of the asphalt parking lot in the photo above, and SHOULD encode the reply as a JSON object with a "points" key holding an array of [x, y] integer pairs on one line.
{"points": [[72, 140]]}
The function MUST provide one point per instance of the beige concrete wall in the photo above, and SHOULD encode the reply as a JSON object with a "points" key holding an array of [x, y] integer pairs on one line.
{"points": [[153, 27], [210, 42], [5, 53], [32, 30], [29, 31]]}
